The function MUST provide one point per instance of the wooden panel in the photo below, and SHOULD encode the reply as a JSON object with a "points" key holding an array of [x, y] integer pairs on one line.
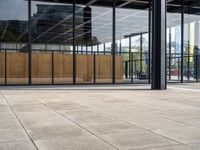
{"points": [[68, 66], [97, 67], [34, 66], [90, 68], [81, 68], [84, 68], [41, 68], [118, 68], [58, 65], [17, 68], [106, 67], [63, 67]]}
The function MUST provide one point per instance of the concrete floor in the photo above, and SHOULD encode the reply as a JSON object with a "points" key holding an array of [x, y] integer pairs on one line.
{"points": [[100, 118]]}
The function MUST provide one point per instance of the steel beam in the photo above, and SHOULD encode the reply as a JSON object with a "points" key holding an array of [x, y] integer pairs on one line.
{"points": [[159, 45], [113, 41]]}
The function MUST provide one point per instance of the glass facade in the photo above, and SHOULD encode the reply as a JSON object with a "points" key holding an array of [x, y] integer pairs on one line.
{"points": [[132, 42], [44, 42]]}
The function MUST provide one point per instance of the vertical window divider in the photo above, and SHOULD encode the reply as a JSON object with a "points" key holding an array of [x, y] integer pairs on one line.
{"points": [[74, 46]]}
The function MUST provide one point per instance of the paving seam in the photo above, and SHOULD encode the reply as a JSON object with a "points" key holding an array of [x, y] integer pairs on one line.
{"points": [[141, 127], [81, 127], [158, 147], [1, 92], [181, 122], [114, 118], [126, 122], [168, 146]]}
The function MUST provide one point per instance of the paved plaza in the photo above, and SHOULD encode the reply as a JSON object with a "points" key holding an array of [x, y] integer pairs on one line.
{"points": [[121, 117]]}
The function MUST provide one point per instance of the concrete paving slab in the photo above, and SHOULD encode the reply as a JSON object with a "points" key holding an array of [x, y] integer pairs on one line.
{"points": [[23, 145], [8, 123], [78, 143], [113, 117], [93, 119], [178, 147], [137, 140], [55, 132], [30, 108], [78, 113], [66, 106], [156, 123], [186, 134], [7, 135], [111, 128]]}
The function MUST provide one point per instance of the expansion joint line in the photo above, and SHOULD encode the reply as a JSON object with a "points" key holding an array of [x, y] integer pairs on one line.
{"points": [[81, 126], [4, 97]]}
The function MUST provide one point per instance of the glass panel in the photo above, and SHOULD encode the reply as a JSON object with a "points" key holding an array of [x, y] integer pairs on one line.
{"points": [[102, 31], [84, 60], [93, 29], [52, 40], [191, 43], [13, 38], [132, 34], [173, 44]]}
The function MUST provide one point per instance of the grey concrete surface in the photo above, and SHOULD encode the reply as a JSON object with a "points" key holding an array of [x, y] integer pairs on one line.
{"points": [[121, 117]]}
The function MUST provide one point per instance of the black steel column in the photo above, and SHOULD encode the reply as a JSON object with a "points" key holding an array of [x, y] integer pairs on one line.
{"points": [[182, 40], [178, 67], [126, 69], [130, 57], [159, 45], [29, 44], [74, 46], [94, 67], [113, 41], [170, 52], [188, 62], [196, 63], [81, 48], [131, 69], [141, 51]]}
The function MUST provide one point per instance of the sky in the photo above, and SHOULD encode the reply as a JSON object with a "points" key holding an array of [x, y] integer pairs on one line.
{"points": [[13, 10]]}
